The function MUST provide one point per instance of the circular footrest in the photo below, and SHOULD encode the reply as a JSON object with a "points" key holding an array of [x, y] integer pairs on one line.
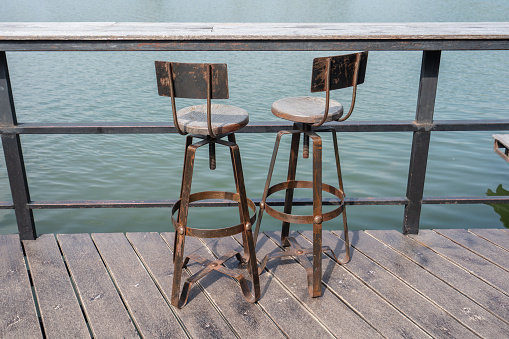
{"points": [[304, 219], [213, 233]]}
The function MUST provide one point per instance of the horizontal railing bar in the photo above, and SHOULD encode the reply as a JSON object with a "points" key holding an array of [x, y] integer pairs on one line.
{"points": [[260, 45], [353, 201], [6, 205], [465, 200], [470, 125], [206, 203], [254, 127], [431, 200], [166, 127]]}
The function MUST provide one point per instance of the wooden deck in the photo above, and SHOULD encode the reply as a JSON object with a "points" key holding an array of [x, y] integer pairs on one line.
{"points": [[441, 283]]}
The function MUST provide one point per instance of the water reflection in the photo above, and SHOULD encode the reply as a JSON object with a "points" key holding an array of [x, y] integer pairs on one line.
{"points": [[501, 209]]}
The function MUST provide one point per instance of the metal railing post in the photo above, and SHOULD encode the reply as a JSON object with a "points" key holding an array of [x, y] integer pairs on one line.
{"points": [[421, 138], [14, 157]]}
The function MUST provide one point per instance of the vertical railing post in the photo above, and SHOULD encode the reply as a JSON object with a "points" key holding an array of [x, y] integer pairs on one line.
{"points": [[14, 157], [421, 138]]}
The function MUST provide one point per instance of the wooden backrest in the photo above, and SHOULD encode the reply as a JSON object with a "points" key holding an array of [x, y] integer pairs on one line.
{"points": [[190, 80], [341, 73]]}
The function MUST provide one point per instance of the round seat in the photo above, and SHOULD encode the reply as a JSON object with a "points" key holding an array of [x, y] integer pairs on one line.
{"points": [[225, 119], [309, 110]]}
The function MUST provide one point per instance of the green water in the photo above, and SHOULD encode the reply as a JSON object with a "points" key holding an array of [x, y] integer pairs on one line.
{"points": [[118, 86]]}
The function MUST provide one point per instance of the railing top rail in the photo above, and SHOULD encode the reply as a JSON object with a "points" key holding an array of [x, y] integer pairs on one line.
{"points": [[252, 36], [250, 31]]}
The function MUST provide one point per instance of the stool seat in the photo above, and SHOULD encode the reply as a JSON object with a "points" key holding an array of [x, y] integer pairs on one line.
{"points": [[224, 118], [309, 110]]}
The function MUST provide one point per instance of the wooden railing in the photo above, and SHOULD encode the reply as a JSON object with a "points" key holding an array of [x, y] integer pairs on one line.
{"points": [[431, 38]]}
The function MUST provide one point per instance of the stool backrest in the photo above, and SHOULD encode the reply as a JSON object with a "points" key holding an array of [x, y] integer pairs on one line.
{"points": [[336, 72], [193, 81]]}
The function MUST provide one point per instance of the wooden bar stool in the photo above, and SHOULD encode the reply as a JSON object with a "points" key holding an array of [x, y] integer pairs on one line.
{"points": [[210, 123], [308, 114]]}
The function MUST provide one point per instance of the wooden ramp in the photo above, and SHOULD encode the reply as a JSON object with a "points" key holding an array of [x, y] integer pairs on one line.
{"points": [[440, 283]]}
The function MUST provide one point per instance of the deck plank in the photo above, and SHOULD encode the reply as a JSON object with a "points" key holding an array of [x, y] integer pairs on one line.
{"points": [[436, 321], [496, 236], [465, 258], [103, 307], [59, 307], [286, 311], [470, 285], [149, 311], [478, 245], [376, 311], [343, 293], [18, 317], [395, 286], [458, 305], [248, 320], [199, 317]]}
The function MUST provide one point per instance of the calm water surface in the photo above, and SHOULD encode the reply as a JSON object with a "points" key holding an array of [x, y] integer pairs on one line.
{"points": [[115, 86]]}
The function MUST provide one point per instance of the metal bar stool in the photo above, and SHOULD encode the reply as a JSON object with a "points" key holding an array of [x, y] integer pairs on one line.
{"points": [[309, 113], [210, 123]]}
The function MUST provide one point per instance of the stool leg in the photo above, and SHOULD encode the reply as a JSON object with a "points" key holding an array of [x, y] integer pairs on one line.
{"points": [[189, 141], [292, 169], [267, 183], [178, 254], [247, 234], [244, 213], [346, 259], [316, 290]]}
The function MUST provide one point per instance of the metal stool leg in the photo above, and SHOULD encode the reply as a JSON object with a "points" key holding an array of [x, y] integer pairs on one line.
{"points": [[189, 141], [239, 184], [346, 258], [187, 178], [267, 183], [292, 169], [247, 234], [316, 289]]}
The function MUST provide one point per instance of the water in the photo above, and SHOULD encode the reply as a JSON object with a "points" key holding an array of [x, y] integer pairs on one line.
{"points": [[117, 86]]}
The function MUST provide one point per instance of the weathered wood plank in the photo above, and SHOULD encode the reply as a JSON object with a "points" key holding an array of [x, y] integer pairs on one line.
{"points": [[149, 311], [18, 317], [340, 284], [502, 138], [465, 258], [248, 320], [478, 245], [436, 290], [60, 310], [254, 31], [103, 307], [287, 311], [199, 317], [476, 289], [436, 321], [496, 236]]}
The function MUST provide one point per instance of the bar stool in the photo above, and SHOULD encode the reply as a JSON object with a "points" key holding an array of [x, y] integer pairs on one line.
{"points": [[308, 114], [210, 123]]}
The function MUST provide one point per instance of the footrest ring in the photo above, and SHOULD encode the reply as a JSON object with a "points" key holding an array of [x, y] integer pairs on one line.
{"points": [[304, 219], [219, 232]]}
